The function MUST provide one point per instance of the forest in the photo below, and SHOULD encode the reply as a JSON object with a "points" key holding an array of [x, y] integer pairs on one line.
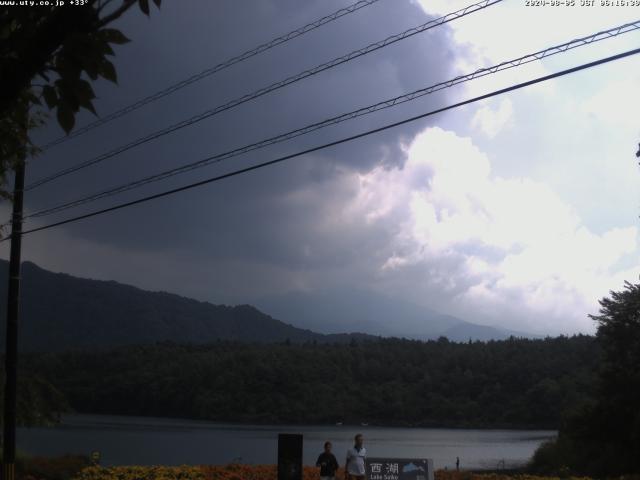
{"points": [[519, 383]]}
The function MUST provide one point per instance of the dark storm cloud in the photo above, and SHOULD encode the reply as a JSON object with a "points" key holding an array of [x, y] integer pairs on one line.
{"points": [[272, 216]]}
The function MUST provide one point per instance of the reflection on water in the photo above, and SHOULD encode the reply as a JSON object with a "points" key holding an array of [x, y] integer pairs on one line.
{"points": [[148, 441]]}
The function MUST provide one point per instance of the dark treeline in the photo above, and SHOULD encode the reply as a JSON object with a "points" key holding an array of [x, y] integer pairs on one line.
{"points": [[511, 383], [601, 438]]}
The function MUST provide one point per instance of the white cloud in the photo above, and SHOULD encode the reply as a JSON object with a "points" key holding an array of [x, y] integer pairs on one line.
{"points": [[509, 30], [616, 104], [490, 121], [441, 230], [518, 247], [446, 228]]}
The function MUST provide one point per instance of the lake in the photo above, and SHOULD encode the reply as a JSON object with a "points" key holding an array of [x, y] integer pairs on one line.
{"points": [[149, 441]]}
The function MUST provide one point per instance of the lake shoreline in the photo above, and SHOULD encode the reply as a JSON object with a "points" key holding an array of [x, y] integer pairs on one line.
{"points": [[124, 440], [391, 425]]}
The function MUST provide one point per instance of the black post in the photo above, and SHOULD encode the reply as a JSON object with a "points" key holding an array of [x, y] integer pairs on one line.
{"points": [[11, 350], [289, 456]]}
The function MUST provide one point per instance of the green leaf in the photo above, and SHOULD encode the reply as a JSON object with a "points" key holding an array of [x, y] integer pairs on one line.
{"points": [[112, 35], [106, 49], [84, 94], [88, 105], [92, 70], [108, 71], [50, 96], [67, 93], [144, 6], [5, 31], [66, 67], [91, 65], [84, 90], [66, 117]]}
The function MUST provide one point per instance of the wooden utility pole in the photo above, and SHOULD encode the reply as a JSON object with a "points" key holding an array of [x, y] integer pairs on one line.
{"points": [[11, 350]]}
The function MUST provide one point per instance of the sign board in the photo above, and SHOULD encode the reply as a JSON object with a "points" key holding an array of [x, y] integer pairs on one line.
{"points": [[399, 469]]}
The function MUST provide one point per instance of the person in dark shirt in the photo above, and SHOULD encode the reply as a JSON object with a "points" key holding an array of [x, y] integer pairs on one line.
{"points": [[327, 463]]}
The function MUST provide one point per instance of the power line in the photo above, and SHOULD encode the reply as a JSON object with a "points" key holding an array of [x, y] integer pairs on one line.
{"points": [[337, 142], [213, 70], [612, 32], [274, 86]]}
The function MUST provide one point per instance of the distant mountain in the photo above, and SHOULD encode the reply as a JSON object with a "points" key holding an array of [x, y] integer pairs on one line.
{"points": [[376, 314], [59, 312], [465, 331]]}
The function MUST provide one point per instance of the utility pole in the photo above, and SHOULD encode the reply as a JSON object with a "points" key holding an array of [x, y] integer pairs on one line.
{"points": [[11, 350]]}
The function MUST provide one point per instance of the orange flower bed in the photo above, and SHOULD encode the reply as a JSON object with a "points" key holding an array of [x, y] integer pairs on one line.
{"points": [[462, 475], [256, 472]]}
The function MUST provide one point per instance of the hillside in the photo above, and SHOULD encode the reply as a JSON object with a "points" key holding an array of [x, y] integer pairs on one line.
{"points": [[59, 312]]}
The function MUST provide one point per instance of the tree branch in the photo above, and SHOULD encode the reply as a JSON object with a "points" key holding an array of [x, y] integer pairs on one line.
{"points": [[103, 4], [126, 5]]}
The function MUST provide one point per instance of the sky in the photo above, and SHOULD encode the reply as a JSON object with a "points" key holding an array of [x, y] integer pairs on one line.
{"points": [[520, 211]]}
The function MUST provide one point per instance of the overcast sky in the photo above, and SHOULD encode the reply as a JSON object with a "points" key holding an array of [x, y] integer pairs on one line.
{"points": [[520, 211]]}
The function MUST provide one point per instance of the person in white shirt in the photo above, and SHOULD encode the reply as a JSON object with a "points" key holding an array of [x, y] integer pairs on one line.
{"points": [[356, 458]]}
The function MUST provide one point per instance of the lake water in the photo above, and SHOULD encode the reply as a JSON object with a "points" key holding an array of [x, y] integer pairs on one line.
{"points": [[149, 441]]}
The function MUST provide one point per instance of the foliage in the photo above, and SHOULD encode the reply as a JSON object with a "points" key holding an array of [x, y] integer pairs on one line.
{"points": [[257, 472], [551, 457], [14, 140], [51, 468], [603, 437], [616, 413], [512, 383], [48, 56], [39, 403], [141, 473]]}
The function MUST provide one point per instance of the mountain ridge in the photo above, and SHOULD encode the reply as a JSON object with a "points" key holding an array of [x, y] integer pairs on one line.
{"points": [[375, 313], [60, 311], [91, 313]]}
